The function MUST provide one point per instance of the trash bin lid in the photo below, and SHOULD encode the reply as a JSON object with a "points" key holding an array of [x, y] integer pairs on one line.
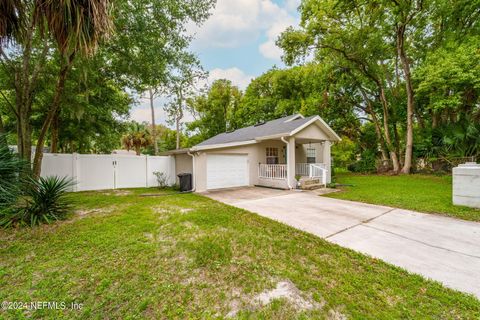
{"points": [[183, 174]]}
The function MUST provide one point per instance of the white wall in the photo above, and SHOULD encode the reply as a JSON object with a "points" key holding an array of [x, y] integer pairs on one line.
{"points": [[466, 185], [183, 164], [99, 172]]}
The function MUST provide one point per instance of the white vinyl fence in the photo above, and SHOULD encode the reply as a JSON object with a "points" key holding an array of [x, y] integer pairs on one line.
{"points": [[112, 171]]}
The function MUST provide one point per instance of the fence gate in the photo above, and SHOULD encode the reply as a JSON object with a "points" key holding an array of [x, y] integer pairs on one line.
{"points": [[130, 171], [95, 172]]}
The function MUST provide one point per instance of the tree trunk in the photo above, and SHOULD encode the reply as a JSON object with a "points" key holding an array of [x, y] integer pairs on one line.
{"points": [[396, 141], [60, 86], [179, 117], [22, 91], [54, 133], [378, 129], [388, 140], [2, 128], [25, 81], [435, 120], [3, 138], [410, 98], [177, 127], [24, 130], [154, 128]]}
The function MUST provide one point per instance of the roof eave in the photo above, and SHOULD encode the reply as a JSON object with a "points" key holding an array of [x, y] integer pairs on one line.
{"points": [[223, 145], [174, 152], [274, 136]]}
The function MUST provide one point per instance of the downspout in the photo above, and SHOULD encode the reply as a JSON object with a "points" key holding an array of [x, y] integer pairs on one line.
{"points": [[194, 180], [331, 170], [288, 180]]}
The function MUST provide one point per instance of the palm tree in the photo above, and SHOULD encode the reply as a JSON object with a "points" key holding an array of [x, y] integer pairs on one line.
{"points": [[137, 139], [77, 26]]}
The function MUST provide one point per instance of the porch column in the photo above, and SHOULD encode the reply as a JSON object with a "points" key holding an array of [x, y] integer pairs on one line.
{"points": [[291, 162], [327, 159]]}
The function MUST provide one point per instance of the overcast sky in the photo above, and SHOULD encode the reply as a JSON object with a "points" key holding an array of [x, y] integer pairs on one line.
{"points": [[236, 43]]}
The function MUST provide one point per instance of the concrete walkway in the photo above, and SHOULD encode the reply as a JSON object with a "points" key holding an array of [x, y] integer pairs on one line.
{"points": [[439, 248]]}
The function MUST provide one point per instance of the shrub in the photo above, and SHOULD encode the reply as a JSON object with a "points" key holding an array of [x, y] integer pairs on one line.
{"points": [[44, 201], [366, 164], [162, 179], [344, 152], [11, 171]]}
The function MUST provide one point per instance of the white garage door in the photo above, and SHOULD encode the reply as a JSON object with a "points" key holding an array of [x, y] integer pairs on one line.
{"points": [[227, 171]]}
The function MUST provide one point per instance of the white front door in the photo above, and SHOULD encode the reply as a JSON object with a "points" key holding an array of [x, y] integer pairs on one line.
{"points": [[227, 171]]}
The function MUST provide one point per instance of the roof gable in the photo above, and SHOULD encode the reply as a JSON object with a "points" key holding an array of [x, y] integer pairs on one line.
{"points": [[282, 126]]}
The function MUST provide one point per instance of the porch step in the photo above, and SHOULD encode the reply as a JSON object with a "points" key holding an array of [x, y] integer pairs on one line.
{"points": [[311, 183]]}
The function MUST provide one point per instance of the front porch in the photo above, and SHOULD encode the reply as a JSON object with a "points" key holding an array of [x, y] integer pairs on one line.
{"points": [[310, 175], [296, 162]]}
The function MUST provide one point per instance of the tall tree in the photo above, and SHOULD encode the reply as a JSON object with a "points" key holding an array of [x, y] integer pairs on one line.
{"points": [[23, 64], [153, 44], [404, 13], [216, 110], [348, 35], [150, 34], [311, 89], [182, 86], [77, 28]]}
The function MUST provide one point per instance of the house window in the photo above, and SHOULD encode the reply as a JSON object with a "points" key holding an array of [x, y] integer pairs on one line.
{"points": [[272, 155], [311, 155]]}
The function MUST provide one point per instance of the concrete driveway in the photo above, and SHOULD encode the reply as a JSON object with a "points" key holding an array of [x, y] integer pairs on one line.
{"points": [[439, 248]]}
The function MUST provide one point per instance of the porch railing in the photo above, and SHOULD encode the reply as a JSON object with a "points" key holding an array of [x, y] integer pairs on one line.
{"points": [[272, 171], [279, 171], [312, 170], [304, 169], [318, 171]]}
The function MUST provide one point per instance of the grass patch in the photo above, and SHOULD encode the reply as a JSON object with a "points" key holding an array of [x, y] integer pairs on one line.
{"points": [[184, 256], [212, 252], [425, 193]]}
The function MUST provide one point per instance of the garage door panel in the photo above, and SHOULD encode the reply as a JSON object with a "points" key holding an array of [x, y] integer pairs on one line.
{"points": [[227, 171]]}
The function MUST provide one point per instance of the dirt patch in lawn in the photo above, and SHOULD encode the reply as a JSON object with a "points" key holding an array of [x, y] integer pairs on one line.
{"points": [[118, 193], [336, 315], [285, 290], [171, 209], [83, 213]]}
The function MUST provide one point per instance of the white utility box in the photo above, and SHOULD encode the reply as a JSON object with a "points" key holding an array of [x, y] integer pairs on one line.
{"points": [[466, 185]]}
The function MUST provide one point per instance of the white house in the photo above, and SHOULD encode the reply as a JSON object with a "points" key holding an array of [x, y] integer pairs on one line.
{"points": [[267, 154]]}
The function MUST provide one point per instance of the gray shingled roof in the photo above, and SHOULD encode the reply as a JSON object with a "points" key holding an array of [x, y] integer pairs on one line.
{"points": [[269, 128]]}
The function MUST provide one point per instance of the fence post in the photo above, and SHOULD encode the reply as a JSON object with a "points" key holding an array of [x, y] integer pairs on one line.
{"points": [[75, 171], [146, 171]]}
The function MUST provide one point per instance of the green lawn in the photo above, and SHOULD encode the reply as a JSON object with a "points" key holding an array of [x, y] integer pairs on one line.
{"points": [[425, 193], [185, 256]]}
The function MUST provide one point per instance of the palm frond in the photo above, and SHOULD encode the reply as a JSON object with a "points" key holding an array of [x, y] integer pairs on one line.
{"points": [[76, 25], [12, 20]]}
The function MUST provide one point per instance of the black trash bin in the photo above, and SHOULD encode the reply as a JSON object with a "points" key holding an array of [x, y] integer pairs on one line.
{"points": [[185, 182]]}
